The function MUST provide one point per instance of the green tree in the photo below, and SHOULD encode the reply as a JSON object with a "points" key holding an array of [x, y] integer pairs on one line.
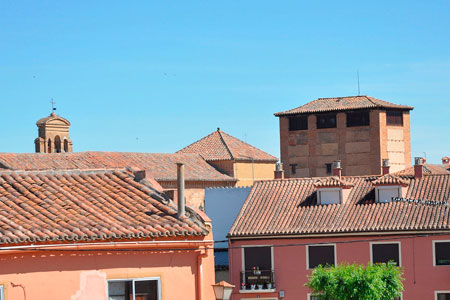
{"points": [[357, 282]]}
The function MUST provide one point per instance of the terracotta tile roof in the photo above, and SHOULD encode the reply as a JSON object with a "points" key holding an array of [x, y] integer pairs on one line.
{"points": [[288, 207], [427, 169], [220, 145], [162, 165], [39, 206], [342, 103], [390, 179], [332, 182]]}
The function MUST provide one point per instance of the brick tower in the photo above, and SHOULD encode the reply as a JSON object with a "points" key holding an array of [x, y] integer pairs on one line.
{"points": [[53, 135], [360, 131]]}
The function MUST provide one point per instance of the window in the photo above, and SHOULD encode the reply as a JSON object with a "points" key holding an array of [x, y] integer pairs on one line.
{"points": [[2, 296], [441, 253], [320, 255], [360, 118], [298, 123], [329, 196], [443, 295], [394, 118], [293, 168], [257, 268], [326, 121], [386, 193], [385, 252], [134, 289], [329, 168]]}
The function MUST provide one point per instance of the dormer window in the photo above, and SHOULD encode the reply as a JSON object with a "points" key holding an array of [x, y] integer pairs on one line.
{"points": [[329, 196], [386, 193]]}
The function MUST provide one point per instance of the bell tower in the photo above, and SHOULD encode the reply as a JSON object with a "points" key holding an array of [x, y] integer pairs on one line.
{"points": [[53, 135]]}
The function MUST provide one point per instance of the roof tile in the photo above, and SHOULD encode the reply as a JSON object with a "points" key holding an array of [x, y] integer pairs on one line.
{"points": [[46, 206]]}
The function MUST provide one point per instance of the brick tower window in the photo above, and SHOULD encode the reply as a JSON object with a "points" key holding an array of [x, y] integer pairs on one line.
{"points": [[394, 118], [360, 118], [298, 123], [326, 121]]}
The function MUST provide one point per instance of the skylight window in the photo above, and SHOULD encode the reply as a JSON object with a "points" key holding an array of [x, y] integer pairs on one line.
{"points": [[386, 193], [329, 196]]}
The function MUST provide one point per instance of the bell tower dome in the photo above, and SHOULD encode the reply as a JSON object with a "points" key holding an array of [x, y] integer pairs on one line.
{"points": [[53, 135]]}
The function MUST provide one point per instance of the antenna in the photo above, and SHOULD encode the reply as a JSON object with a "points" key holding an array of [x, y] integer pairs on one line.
{"points": [[357, 73], [53, 104]]}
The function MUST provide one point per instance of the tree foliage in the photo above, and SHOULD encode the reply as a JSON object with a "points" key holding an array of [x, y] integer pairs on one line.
{"points": [[357, 282]]}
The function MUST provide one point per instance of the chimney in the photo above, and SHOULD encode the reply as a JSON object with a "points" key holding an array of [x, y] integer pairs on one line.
{"points": [[446, 160], [180, 187], [386, 166], [337, 170], [418, 167], [279, 173]]}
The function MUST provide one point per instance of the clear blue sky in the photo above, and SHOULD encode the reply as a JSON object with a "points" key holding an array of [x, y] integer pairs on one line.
{"points": [[155, 76]]}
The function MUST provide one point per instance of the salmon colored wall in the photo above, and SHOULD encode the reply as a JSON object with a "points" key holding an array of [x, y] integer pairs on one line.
{"points": [[82, 275], [243, 171], [422, 278]]}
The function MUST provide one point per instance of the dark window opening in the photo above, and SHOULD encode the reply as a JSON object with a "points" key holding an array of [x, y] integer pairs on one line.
{"points": [[443, 296], [326, 121], [383, 253], [57, 144], [258, 268], [442, 253], [320, 255], [329, 168], [298, 123], [293, 168], [394, 118], [66, 146], [361, 118]]}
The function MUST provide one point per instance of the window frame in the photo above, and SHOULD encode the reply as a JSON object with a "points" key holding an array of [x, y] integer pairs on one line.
{"points": [[326, 115], [328, 244], [434, 252], [254, 246], [2, 292], [357, 112], [440, 292], [387, 187], [387, 242], [319, 197], [299, 117], [394, 124], [158, 279]]}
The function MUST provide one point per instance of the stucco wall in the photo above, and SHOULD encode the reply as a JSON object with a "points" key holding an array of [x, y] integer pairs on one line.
{"points": [[84, 275], [248, 172], [421, 277]]}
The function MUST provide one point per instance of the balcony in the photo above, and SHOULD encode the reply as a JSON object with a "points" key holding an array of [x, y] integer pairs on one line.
{"points": [[257, 281]]}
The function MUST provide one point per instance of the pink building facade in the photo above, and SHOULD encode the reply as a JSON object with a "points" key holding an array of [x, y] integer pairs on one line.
{"points": [[288, 227], [290, 260]]}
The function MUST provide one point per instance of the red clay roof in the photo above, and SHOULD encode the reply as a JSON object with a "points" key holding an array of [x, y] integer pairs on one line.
{"points": [[162, 165], [342, 103], [220, 145], [427, 169], [333, 181], [289, 207], [37, 206], [52, 116], [390, 179]]}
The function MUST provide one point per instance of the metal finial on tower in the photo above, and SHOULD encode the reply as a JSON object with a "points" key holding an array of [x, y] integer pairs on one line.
{"points": [[53, 104]]}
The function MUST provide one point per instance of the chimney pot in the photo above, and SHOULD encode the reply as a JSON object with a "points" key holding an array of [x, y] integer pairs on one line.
{"points": [[337, 170], [279, 173], [180, 187], [418, 167], [386, 166], [445, 160]]}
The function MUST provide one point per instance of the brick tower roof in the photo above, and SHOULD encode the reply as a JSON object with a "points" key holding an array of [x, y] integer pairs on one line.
{"points": [[341, 104]]}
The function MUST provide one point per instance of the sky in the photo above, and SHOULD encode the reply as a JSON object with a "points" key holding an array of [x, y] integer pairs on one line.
{"points": [[155, 76]]}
